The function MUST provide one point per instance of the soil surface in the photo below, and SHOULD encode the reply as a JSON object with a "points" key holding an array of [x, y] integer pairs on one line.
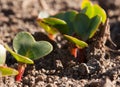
{"points": [[60, 68]]}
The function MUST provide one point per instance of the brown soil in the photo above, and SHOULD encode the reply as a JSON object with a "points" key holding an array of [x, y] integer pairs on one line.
{"points": [[60, 68]]}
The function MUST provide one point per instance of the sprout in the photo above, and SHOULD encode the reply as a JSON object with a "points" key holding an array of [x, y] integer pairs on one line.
{"points": [[4, 70], [27, 49]]}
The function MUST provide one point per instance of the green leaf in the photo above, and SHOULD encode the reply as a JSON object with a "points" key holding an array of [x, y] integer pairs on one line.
{"points": [[92, 10], [24, 44], [68, 17], [81, 26], [100, 12], [55, 23], [77, 42], [86, 27], [19, 57], [47, 28], [2, 55], [6, 71], [85, 3], [87, 8], [94, 24]]}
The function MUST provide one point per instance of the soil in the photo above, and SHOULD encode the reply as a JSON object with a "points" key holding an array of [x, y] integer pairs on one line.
{"points": [[60, 68]]}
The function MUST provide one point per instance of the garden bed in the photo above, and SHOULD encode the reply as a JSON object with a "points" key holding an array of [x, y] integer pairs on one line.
{"points": [[60, 68]]}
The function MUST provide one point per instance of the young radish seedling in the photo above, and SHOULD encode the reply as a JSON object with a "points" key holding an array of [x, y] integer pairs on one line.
{"points": [[4, 70], [27, 49], [77, 27]]}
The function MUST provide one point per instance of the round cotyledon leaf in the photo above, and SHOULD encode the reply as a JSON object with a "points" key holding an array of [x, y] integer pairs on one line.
{"points": [[77, 42], [25, 45], [2, 55], [6, 71]]}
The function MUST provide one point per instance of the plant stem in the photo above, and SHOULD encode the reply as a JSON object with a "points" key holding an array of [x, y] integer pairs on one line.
{"points": [[21, 69], [74, 52], [78, 53], [51, 36]]}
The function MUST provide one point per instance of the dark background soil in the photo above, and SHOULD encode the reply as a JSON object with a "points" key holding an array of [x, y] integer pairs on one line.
{"points": [[59, 69]]}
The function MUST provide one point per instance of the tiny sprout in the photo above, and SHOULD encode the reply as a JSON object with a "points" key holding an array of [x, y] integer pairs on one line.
{"points": [[27, 49], [4, 70]]}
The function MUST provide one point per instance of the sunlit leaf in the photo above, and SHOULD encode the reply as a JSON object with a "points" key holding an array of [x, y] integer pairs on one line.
{"points": [[2, 55], [53, 25], [56, 23], [6, 71], [101, 12], [85, 3], [87, 8], [25, 45], [53, 21], [92, 10], [77, 42], [47, 28]]}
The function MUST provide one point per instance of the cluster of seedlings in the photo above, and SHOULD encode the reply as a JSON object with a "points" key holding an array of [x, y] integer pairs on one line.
{"points": [[76, 27]]}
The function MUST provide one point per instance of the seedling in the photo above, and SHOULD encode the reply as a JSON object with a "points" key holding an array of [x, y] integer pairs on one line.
{"points": [[27, 49], [77, 27], [4, 70]]}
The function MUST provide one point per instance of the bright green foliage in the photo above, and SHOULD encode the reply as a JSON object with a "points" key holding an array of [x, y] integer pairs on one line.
{"points": [[5, 71], [92, 10], [47, 27], [86, 27], [77, 42]]}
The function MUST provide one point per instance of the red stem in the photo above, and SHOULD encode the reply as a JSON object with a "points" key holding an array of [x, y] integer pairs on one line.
{"points": [[78, 53], [21, 69], [51, 36], [74, 52]]}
